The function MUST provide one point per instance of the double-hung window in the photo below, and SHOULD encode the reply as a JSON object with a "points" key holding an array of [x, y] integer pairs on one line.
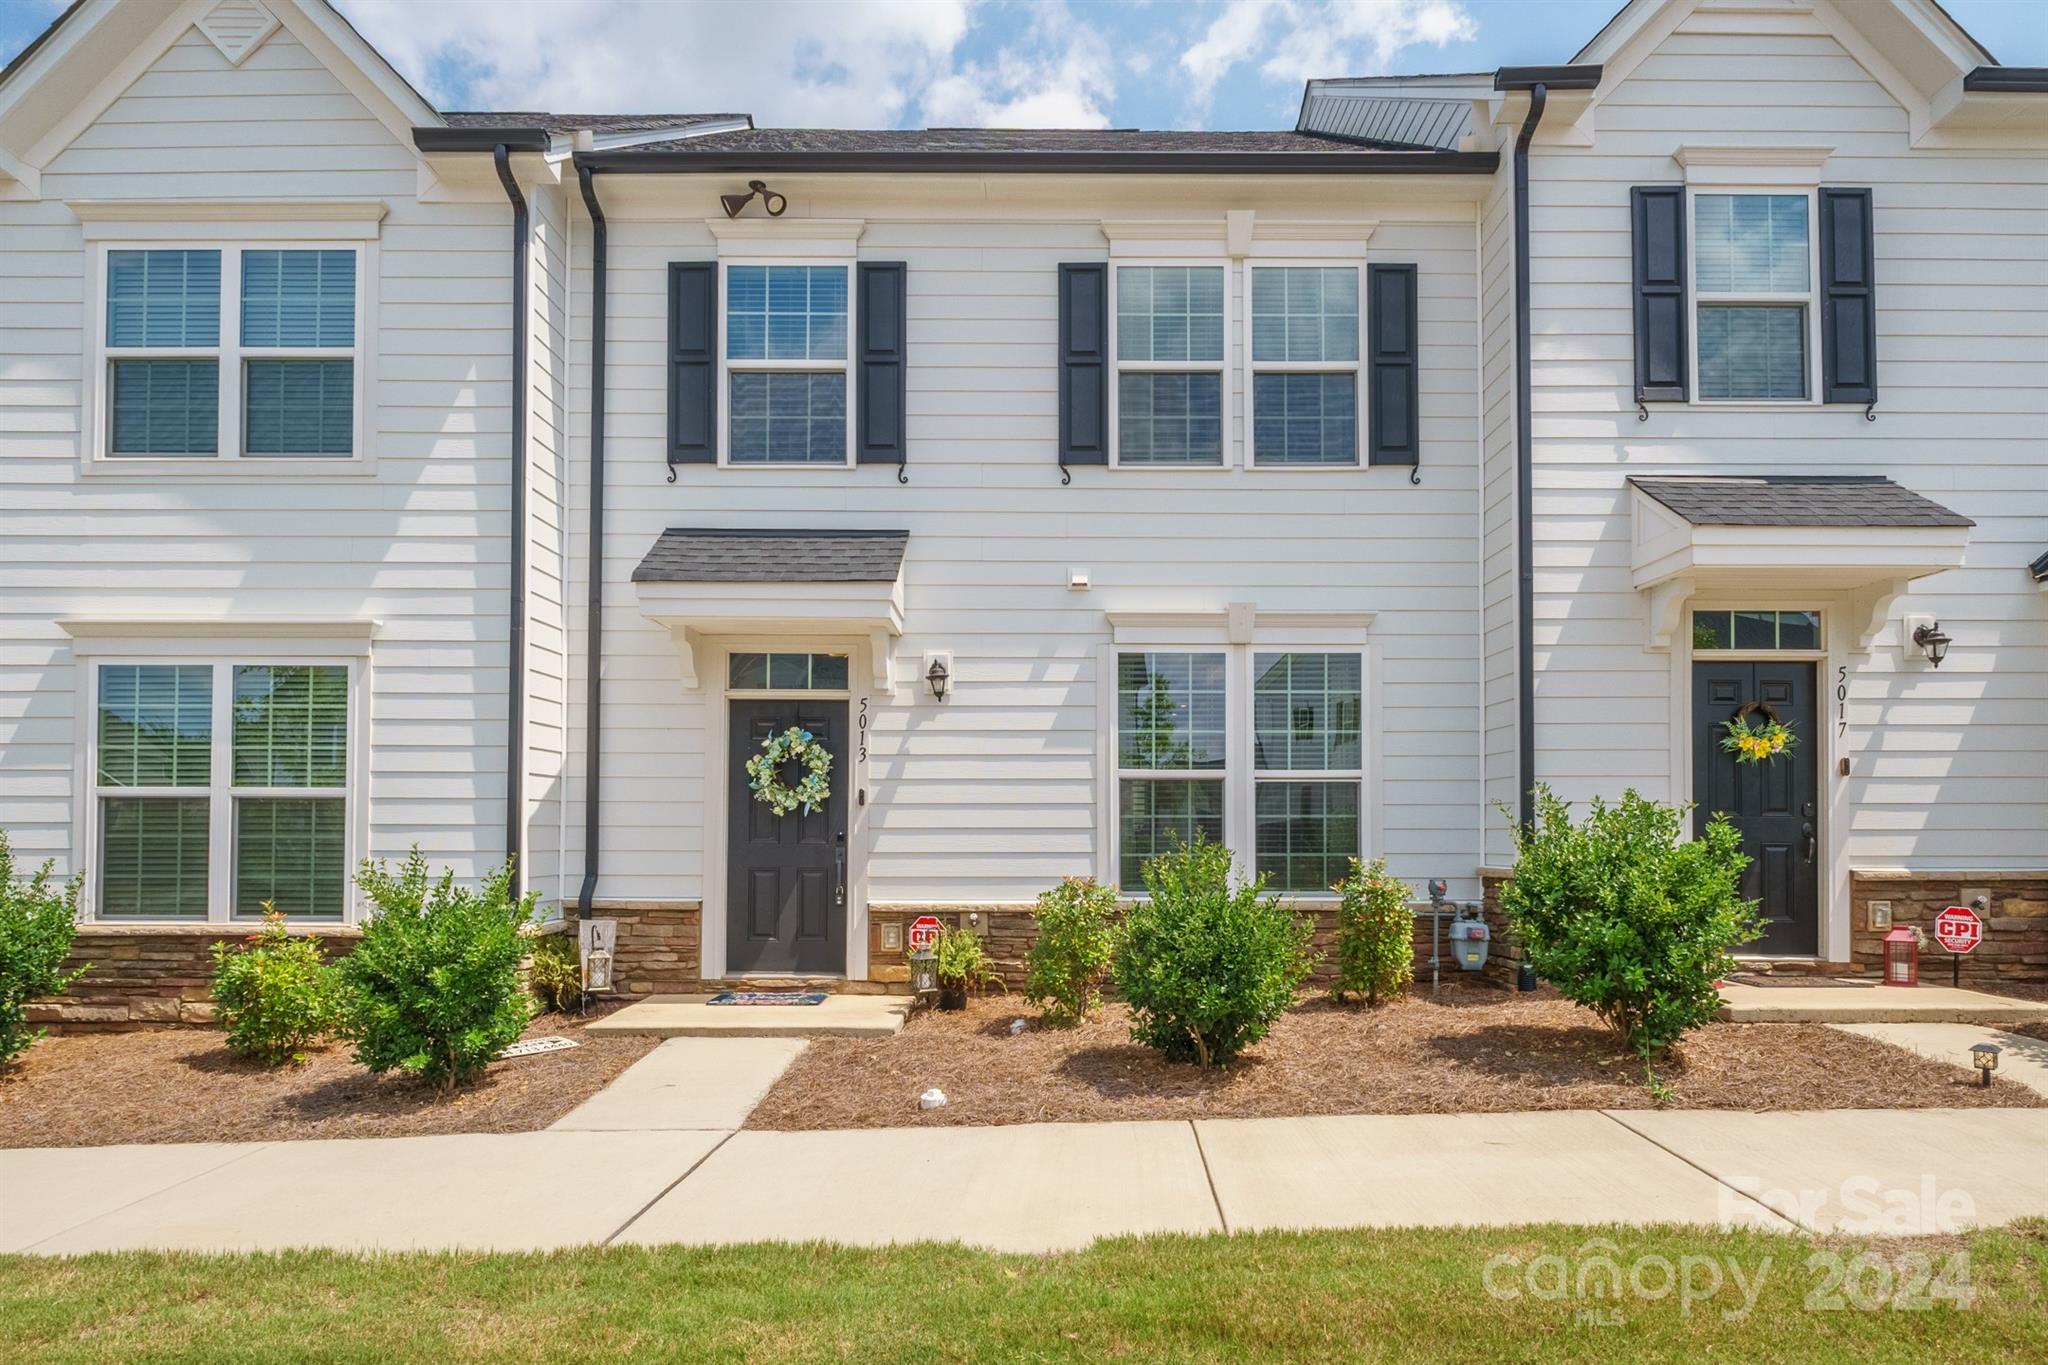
{"points": [[1169, 346], [221, 788], [786, 365], [1291, 794], [1305, 345], [1754, 314], [231, 352]]}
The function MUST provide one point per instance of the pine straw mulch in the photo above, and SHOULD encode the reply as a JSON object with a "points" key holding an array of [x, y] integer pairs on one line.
{"points": [[183, 1085], [1471, 1050]]}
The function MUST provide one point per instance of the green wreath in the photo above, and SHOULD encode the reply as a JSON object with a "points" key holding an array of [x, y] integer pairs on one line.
{"points": [[765, 768]]}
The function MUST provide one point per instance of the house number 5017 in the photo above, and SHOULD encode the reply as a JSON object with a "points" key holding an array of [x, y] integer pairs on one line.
{"points": [[1841, 700]]}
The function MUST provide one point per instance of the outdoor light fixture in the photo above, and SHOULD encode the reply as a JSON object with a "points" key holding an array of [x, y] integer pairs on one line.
{"points": [[597, 971], [1985, 1055], [1901, 957], [770, 201], [1933, 642], [937, 676]]}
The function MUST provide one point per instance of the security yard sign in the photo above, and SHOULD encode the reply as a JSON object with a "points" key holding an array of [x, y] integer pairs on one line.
{"points": [[1958, 929], [924, 933]]}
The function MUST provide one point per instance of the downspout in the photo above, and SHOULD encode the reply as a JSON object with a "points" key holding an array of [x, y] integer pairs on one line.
{"points": [[593, 704], [1525, 478], [515, 707]]}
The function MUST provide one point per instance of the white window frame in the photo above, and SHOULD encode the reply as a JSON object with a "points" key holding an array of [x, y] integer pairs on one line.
{"points": [[230, 353], [1239, 774], [1810, 298], [1254, 367], [1221, 368], [220, 792], [728, 366]]}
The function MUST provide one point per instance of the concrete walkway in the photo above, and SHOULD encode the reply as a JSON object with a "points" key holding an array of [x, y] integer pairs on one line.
{"points": [[693, 1016], [1838, 1001], [2023, 1060], [1037, 1187], [686, 1083]]}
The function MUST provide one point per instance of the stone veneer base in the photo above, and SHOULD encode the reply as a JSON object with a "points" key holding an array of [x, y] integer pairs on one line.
{"points": [[151, 976]]}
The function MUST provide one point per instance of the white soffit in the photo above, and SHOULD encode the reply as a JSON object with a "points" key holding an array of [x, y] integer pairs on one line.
{"points": [[237, 28], [790, 611]]}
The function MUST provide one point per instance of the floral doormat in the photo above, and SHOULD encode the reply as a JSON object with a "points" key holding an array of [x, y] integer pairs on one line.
{"points": [[768, 998]]}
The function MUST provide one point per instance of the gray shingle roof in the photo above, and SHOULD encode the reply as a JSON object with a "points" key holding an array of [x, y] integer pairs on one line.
{"points": [[994, 140], [563, 123], [696, 555], [1797, 500]]}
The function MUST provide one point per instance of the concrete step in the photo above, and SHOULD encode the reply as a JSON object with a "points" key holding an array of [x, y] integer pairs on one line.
{"points": [[692, 1016], [1859, 1002]]}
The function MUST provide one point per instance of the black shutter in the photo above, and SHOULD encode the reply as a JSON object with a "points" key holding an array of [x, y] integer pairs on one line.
{"points": [[1084, 363], [1848, 299], [1391, 355], [693, 362], [1658, 215], [880, 362]]}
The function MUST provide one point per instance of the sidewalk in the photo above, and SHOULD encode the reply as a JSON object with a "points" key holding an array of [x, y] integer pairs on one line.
{"points": [[1032, 1188]]}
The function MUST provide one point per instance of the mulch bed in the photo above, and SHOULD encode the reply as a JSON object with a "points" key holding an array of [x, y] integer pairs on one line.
{"points": [[1469, 1050], [183, 1085]]}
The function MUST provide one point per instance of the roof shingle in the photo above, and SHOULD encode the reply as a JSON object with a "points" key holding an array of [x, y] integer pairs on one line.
{"points": [[995, 140], [1796, 500], [565, 123], [700, 555]]}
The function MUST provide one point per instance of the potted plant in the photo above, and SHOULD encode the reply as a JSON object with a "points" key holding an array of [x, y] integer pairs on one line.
{"points": [[963, 963]]}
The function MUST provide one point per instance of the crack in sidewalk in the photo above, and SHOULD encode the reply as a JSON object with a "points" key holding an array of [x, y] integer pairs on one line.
{"points": [[663, 1193], [1626, 1127], [1222, 1219]]}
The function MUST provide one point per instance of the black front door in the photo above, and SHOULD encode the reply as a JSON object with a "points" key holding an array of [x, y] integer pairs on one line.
{"points": [[1775, 804], [785, 880]]}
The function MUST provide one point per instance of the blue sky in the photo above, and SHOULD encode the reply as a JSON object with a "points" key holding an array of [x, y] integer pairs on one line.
{"points": [[1027, 63]]}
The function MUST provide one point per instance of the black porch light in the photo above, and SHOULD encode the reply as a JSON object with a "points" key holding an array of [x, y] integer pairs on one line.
{"points": [[1933, 642], [937, 676]]}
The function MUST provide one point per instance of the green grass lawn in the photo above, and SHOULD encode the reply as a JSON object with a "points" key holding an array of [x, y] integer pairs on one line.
{"points": [[1314, 1296]]}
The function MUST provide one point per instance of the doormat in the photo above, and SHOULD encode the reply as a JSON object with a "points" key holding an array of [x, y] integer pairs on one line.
{"points": [[1793, 982], [768, 998], [535, 1045]]}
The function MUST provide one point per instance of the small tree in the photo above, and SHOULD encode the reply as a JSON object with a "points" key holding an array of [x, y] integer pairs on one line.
{"points": [[37, 922], [275, 994], [1624, 916], [1076, 934], [1207, 966], [1375, 934], [433, 986]]}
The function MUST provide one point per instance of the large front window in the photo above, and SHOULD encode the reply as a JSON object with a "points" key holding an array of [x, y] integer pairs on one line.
{"points": [[1753, 286], [1169, 356], [785, 354], [222, 789], [1296, 806]]}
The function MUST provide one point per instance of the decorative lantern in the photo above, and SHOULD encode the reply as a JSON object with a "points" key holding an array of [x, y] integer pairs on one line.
{"points": [[1932, 641], [924, 973], [1985, 1055], [1901, 957], [597, 971]]}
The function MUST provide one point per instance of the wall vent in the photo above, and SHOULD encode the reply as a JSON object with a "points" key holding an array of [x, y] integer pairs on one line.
{"points": [[237, 28]]}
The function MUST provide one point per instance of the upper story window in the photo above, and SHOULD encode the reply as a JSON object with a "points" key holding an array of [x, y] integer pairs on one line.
{"points": [[786, 368], [231, 352], [1169, 324], [1753, 278], [1305, 346]]}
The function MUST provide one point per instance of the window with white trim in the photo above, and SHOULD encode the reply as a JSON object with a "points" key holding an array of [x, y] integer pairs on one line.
{"points": [[1753, 305], [1169, 323], [1305, 333], [786, 364], [220, 788], [1291, 800], [231, 352]]}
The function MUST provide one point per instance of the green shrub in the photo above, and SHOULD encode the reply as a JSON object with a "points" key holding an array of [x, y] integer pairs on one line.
{"points": [[1076, 935], [1627, 918], [37, 921], [963, 960], [555, 974], [275, 995], [1375, 933], [433, 986], [1204, 965]]}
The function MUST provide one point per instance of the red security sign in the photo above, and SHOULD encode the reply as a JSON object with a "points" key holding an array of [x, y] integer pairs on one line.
{"points": [[924, 933], [1958, 929]]}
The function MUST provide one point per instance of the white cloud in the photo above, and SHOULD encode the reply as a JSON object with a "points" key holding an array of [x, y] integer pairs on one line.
{"points": [[1292, 40], [846, 63]]}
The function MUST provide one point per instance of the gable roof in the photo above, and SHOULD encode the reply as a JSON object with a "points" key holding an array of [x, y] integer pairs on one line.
{"points": [[1796, 500], [702, 555]]}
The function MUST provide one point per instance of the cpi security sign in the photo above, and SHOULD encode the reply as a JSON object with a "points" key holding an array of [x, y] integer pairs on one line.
{"points": [[924, 933], [1958, 929]]}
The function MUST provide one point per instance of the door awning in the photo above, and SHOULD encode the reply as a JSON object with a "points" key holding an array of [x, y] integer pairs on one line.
{"points": [[699, 581], [1857, 533]]}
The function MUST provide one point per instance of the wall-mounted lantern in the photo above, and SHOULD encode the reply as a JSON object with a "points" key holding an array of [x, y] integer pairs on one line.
{"points": [[938, 677], [770, 201], [1932, 641]]}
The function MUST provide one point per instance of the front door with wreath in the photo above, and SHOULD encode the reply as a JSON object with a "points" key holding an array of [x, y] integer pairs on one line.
{"points": [[786, 864], [1773, 800]]}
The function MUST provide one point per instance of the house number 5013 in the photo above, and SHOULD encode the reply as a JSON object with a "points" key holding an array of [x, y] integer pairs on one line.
{"points": [[863, 729]]}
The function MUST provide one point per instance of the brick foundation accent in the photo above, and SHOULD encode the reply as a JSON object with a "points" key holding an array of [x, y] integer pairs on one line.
{"points": [[2015, 946], [150, 976], [660, 945]]}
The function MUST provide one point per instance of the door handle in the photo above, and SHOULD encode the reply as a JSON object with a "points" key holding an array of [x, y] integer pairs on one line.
{"points": [[839, 868], [1812, 844]]}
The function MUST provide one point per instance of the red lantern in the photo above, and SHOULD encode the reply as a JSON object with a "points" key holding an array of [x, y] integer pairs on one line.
{"points": [[1901, 957]]}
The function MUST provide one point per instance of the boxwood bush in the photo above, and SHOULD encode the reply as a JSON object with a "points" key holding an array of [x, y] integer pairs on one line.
{"points": [[433, 986], [37, 920], [1623, 915], [1207, 964], [1076, 934], [1375, 934], [274, 994]]}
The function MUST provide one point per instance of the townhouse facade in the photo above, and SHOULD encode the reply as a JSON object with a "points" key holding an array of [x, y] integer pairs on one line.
{"points": [[500, 482]]}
